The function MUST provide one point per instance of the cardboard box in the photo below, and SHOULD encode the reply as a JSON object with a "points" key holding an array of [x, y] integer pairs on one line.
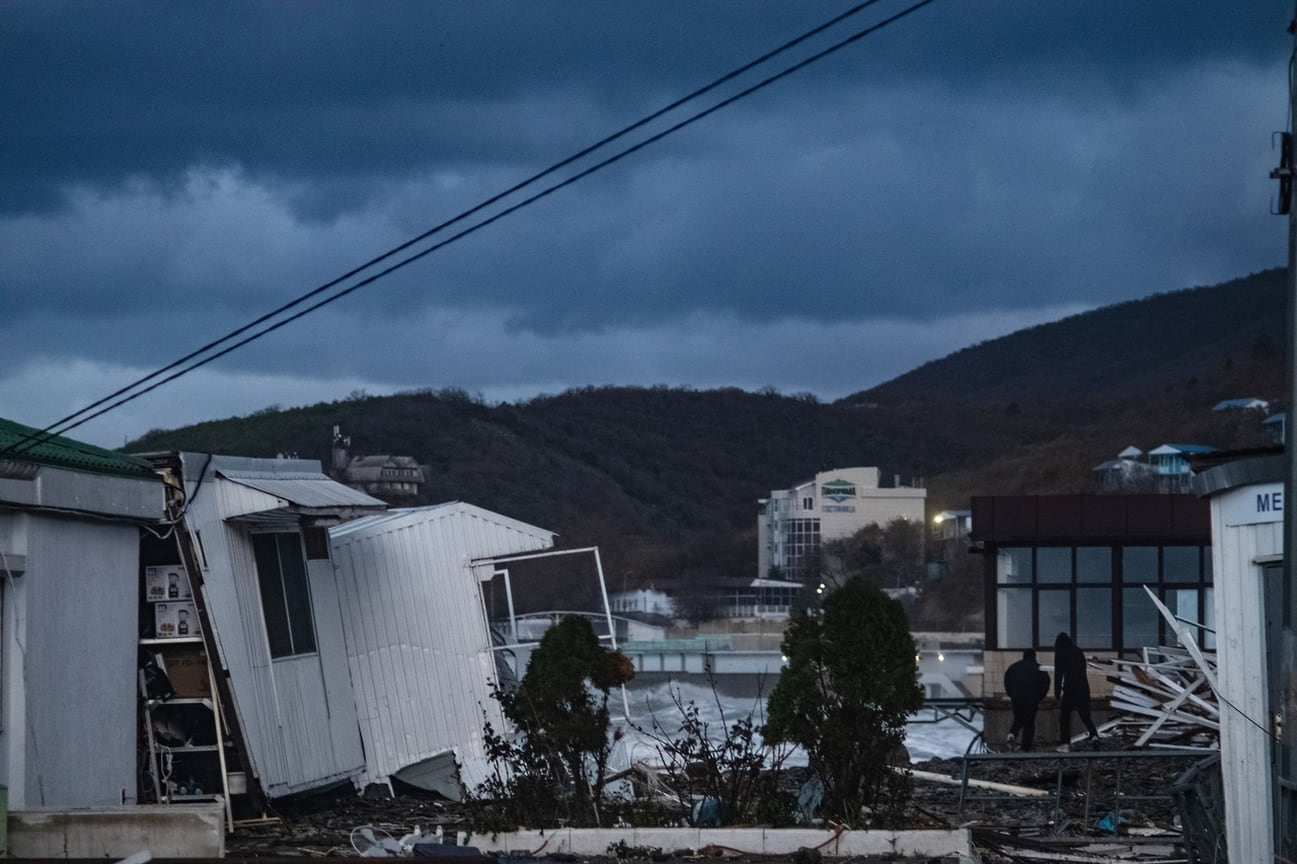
{"points": [[165, 582], [186, 668], [175, 620]]}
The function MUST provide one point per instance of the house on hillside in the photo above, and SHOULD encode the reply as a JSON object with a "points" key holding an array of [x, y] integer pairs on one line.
{"points": [[834, 504], [1171, 462], [71, 516], [1276, 427], [1164, 469], [395, 479], [1250, 403]]}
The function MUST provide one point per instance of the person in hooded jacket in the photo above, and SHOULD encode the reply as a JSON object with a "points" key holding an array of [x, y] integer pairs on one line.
{"points": [[1071, 689], [1027, 684]]}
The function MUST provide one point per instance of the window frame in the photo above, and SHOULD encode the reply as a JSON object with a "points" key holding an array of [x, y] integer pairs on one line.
{"points": [[1023, 578], [287, 607]]}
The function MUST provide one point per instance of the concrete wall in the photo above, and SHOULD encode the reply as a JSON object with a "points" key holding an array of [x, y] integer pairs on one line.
{"points": [[164, 831], [752, 841]]}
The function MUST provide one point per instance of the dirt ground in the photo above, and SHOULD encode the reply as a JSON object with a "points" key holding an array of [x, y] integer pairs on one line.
{"points": [[1081, 795]]}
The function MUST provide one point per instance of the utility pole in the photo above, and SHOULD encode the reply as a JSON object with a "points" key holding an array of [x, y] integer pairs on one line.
{"points": [[1283, 648]]}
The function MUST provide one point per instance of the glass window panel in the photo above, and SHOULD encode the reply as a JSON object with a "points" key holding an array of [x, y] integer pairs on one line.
{"points": [[1180, 563], [1206, 565], [1094, 564], [1013, 618], [1139, 620], [297, 593], [266, 553], [1054, 564], [1054, 613], [1183, 603], [1013, 566], [1139, 564], [1094, 618]]}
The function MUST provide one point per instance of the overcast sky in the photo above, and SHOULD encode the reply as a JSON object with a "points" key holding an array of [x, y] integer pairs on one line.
{"points": [[171, 171]]}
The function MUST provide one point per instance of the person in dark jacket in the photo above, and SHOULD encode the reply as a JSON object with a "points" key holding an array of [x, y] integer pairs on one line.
{"points": [[1071, 689], [1027, 684]]}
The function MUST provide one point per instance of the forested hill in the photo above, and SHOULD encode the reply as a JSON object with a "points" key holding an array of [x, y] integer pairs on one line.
{"points": [[666, 480], [1123, 350]]}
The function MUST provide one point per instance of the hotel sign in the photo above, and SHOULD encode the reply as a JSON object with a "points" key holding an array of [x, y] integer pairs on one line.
{"points": [[1253, 505], [838, 491]]}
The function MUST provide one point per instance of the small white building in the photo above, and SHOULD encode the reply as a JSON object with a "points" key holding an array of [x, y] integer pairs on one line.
{"points": [[257, 533], [1247, 524], [643, 601], [831, 505], [70, 521]]}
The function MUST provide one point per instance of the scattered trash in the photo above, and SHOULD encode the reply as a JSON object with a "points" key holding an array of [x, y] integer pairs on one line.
{"points": [[707, 812], [371, 842], [137, 858], [809, 798], [1110, 823]]}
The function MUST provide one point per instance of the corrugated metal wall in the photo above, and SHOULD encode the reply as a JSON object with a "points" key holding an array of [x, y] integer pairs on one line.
{"points": [[416, 634], [297, 737]]}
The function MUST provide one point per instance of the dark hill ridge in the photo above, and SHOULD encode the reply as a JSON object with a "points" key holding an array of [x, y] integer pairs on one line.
{"points": [[667, 479], [1116, 351]]}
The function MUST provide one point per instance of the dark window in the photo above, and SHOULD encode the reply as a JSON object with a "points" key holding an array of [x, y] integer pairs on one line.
{"points": [[1139, 564], [285, 595], [317, 544]]}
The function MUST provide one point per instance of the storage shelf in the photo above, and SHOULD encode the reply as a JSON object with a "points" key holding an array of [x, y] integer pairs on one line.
{"points": [[174, 640]]}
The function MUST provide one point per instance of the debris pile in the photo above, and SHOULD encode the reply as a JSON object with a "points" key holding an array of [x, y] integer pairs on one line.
{"points": [[1167, 697]]}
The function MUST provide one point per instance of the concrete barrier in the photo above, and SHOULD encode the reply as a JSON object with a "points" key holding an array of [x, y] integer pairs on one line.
{"points": [[751, 841], [164, 831]]}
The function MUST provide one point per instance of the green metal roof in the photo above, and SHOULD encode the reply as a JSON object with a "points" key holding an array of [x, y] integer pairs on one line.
{"points": [[59, 452]]}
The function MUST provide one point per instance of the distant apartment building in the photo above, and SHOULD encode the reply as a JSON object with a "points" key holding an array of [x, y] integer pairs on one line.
{"points": [[833, 504]]}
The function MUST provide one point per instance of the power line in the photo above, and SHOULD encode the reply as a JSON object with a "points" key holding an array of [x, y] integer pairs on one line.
{"points": [[88, 413]]}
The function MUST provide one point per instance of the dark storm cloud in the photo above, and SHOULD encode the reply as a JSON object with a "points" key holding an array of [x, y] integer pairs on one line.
{"points": [[170, 171], [342, 94]]}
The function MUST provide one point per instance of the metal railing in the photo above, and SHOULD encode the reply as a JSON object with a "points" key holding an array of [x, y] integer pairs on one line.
{"points": [[1103, 798]]}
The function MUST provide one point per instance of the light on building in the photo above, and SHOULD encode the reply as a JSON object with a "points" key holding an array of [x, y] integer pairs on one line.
{"points": [[941, 657]]}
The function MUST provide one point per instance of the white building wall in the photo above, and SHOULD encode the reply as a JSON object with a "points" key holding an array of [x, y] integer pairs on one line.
{"points": [[417, 641], [1242, 533], [69, 643]]}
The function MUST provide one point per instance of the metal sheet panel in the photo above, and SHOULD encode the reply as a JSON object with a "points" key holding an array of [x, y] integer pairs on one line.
{"points": [[417, 641], [303, 489]]}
